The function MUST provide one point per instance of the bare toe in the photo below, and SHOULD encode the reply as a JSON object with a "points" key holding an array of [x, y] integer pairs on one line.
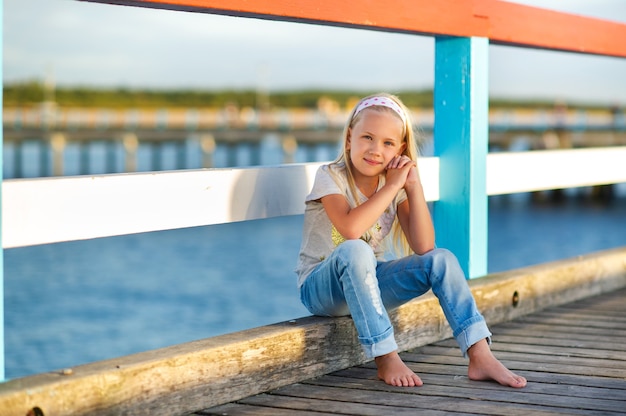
{"points": [[485, 366], [393, 371]]}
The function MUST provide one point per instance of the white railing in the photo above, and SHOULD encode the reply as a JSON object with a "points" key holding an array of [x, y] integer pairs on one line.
{"points": [[49, 210]]}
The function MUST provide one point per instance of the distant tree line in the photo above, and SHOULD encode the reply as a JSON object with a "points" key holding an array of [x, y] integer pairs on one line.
{"points": [[35, 92]]}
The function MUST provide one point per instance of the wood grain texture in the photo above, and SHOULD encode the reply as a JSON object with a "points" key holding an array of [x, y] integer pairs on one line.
{"points": [[569, 371], [205, 373]]}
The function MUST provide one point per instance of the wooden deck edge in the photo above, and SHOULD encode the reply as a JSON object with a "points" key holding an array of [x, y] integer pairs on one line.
{"points": [[201, 374]]}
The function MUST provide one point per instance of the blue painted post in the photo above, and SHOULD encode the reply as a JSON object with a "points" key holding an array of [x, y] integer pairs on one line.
{"points": [[461, 143], [1, 249]]}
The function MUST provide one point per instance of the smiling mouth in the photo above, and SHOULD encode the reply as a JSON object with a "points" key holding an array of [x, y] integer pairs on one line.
{"points": [[371, 162]]}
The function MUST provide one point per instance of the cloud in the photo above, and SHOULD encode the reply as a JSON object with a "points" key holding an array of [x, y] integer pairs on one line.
{"points": [[82, 43]]}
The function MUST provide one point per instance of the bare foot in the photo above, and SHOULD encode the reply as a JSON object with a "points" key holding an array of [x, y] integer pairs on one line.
{"points": [[484, 365], [393, 371]]}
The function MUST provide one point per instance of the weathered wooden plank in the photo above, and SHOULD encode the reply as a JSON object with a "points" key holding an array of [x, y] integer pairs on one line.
{"points": [[563, 367], [607, 301], [582, 314], [545, 329], [467, 393], [176, 380], [430, 371], [205, 373], [539, 353], [592, 310], [451, 397], [539, 385], [340, 403], [521, 340], [238, 409], [572, 381], [597, 354], [588, 314], [568, 323], [373, 392], [547, 392], [522, 361]]}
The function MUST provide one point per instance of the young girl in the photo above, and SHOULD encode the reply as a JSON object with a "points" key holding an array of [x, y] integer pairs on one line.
{"points": [[373, 189]]}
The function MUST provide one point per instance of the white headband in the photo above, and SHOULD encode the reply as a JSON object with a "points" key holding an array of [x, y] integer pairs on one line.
{"points": [[384, 101]]}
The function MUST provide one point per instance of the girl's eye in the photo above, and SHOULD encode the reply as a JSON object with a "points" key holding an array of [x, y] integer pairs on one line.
{"points": [[389, 143]]}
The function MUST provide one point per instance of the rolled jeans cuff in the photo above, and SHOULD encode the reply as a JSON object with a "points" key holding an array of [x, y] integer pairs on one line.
{"points": [[385, 345], [474, 332]]}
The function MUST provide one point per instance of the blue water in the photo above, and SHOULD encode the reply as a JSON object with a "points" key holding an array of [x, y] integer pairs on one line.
{"points": [[77, 302]]}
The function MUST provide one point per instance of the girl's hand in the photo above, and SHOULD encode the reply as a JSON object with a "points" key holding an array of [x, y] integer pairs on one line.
{"points": [[402, 171]]}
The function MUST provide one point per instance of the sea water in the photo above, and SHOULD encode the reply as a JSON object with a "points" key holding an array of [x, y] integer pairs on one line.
{"points": [[72, 303], [77, 302]]}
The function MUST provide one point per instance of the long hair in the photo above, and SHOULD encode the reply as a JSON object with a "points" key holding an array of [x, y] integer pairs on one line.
{"points": [[399, 244]]}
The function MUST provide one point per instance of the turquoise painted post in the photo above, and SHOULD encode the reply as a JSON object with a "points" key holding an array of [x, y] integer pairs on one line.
{"points": [[461, 143], [1, 249]]}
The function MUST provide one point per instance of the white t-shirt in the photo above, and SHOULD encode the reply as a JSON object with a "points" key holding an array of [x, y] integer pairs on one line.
{"points": [[320, 237]]}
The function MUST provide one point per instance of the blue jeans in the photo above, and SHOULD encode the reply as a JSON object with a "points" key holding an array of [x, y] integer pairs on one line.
{"points": [[352, 282]]}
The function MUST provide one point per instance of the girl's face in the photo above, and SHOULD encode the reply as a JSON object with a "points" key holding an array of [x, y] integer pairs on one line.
{"points": [[373, 141]]}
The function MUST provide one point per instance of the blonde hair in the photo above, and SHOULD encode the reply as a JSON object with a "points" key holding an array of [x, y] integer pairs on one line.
{"points": [[399, 244]]}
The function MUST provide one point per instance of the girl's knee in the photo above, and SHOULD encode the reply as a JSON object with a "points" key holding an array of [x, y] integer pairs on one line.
{"points": [[445, 264], [357, 258], [355, 249], [444, 257]]}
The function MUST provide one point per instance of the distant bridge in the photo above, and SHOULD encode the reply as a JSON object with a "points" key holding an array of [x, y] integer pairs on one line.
{"points": [[51, 129]]}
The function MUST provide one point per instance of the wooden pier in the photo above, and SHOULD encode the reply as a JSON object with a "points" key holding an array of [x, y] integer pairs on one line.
{"points": [[573, 355], [548, 323], [547, 326]]}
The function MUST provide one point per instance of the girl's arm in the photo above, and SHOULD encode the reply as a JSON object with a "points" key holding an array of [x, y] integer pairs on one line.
{"points": [[414, 215], [352, 223]]}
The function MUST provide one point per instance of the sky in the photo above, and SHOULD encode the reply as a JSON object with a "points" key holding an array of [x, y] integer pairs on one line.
{"points": [[89, 44]]}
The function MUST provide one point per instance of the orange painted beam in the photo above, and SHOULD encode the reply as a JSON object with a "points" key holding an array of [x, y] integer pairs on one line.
{"points": [[515, 24], [500, 21]]}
